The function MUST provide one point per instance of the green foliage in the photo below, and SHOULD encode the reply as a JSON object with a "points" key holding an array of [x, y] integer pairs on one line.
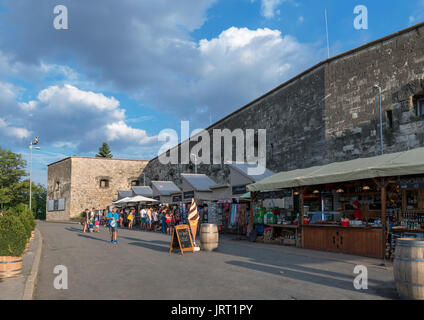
{"points": [[14, 190], [12, 236], [104, 151], [25, 216], [12, 170]]}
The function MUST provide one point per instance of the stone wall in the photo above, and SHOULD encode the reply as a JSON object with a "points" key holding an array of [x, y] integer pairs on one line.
{"points": [[59, 172], [330, 112], [82, 178]]}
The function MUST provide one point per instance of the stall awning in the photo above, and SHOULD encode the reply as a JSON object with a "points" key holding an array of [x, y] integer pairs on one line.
{"points": [[395, 164]]}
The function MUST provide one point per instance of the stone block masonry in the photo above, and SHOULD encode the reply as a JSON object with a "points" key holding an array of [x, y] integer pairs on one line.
{"points": [[89, 182], [330, 112]]}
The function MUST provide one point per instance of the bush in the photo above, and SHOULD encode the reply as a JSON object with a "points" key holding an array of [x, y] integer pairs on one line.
{"points": [[26, 217], [12, 236]]}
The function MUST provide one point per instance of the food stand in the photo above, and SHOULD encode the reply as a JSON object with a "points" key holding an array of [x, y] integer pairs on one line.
{"points": [[359, 206]]}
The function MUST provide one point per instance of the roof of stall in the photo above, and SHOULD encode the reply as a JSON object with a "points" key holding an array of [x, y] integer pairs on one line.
{"points": [[254, 171], [166, 188], [395, 164], [144, 191], [124, 194], [199, 182]]}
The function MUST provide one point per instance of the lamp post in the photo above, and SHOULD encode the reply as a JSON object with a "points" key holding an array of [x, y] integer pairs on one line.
{"points": [[381, 118], [31, 146], [195, 163]]}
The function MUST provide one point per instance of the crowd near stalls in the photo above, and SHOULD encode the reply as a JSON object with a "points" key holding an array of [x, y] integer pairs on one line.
{"points": [[357, 207]]}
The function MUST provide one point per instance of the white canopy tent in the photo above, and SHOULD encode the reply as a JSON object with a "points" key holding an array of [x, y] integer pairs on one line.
{"points": [[135, 199]]}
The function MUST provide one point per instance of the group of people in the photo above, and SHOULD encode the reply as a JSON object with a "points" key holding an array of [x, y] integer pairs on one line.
{"points": [[163, 220], [91, 220]]}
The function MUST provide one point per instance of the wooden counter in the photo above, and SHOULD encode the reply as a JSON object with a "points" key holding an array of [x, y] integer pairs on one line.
{"points": [[350, 240]]}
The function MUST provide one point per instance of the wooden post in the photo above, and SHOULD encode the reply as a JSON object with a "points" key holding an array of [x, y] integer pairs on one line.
{"points": [[383, 214], [251, 221], [302, 215]]}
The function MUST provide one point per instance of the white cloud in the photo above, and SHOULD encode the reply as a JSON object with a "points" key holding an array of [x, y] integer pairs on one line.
{"points": [[237, 66], [13, 132], [68, 117], [268, 7]]}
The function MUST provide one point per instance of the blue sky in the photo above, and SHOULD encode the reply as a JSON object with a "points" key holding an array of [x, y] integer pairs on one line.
{"points": [[125, 70]]}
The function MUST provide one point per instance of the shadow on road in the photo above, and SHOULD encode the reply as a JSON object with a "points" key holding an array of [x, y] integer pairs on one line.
{"points": [[309, 275], [148, 241], [149, 246], [93, 238]]}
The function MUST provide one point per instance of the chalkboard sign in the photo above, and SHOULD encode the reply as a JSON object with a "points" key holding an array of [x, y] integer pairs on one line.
{"points": [[181, 238], [412, 182], [188, 194], [239, 189], [280, 194], [178, 198]]}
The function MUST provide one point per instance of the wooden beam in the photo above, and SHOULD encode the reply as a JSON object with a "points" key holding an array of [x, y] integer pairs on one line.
{"points": [[302, 213], [383, 214]]}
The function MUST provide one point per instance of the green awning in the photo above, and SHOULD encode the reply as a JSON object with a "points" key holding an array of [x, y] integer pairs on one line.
{"points": [[245, 196], [395, 164]]}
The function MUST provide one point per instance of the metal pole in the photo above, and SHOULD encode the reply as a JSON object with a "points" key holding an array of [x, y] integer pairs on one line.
{"points": [[381, 119], [30, 176]]}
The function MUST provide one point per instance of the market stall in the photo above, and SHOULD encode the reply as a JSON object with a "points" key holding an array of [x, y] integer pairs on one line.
{"points": [[358, 206], [163, 190]]}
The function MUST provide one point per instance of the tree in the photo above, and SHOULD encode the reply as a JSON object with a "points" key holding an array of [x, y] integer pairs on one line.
{"points": [[104, 151], [12, 170]]}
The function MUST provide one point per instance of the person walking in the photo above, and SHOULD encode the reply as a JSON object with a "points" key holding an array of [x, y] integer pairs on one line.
{"points": [[85, 217], [163, 220], [149, 219], [112, 218], [131, 219], [155, 220], [143, 214], [121, 218], [168, 220]]}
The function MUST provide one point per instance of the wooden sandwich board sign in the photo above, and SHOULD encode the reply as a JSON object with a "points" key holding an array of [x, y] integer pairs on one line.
{"points": [[181, 239]]}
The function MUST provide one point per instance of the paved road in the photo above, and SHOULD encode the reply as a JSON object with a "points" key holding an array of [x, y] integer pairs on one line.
{"points": [[140, 267]]}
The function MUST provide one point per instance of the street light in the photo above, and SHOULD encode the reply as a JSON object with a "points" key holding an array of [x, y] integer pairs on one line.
{"points": [[195, 163], [31, 146], [381, 118]]}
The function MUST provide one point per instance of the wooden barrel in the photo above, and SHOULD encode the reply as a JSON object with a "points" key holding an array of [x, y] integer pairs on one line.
{"points": [[10, 267], [408, 268], [209, 236]]}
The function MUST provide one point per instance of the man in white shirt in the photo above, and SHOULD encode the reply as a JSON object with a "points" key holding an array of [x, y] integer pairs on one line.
{"points": [[149, 219], [143, 214]]}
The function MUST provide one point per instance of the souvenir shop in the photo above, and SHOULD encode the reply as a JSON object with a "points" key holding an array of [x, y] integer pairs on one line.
{"points": [[356, 207]]}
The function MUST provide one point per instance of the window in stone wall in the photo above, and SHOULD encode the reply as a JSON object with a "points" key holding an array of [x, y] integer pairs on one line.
{"points": [[389, 114], [420, 107], [57, 187], [104, 183]]}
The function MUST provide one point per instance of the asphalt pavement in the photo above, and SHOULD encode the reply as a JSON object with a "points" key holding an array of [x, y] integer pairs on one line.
{"points": [[141, 267]]}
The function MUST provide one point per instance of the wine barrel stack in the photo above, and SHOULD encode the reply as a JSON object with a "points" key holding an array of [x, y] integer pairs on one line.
{"points": [[209, 236], [408, 268]]}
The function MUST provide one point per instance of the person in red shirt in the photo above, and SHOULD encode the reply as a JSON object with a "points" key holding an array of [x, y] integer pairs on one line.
{"points": [[357, 214], [168, 219]]}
